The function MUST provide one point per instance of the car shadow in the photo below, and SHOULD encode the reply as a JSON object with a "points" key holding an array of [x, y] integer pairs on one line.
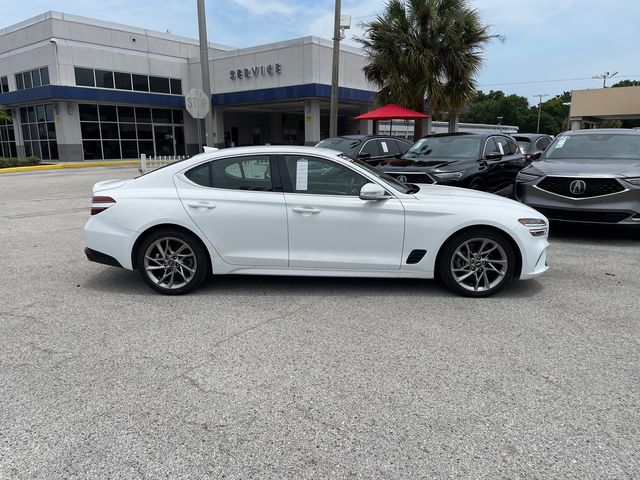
{"points": [[589, 234], [124, 282]]}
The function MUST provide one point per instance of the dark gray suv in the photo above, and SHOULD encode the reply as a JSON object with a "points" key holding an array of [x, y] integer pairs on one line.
{"points": [[590, 176]]}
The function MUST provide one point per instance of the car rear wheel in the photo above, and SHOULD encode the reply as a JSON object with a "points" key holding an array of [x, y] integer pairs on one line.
{"points": [[477, 262], [172, 262]]}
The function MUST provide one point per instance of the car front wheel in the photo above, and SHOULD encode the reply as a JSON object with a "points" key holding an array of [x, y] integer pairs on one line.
{"points": [[477, 262], [172, 262]]}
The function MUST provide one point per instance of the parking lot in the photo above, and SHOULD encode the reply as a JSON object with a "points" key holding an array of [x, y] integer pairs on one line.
{"points": [[272, 377]]}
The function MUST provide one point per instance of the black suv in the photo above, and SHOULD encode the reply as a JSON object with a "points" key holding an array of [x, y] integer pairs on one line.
{"points": [[482, 161], [370, 148]]}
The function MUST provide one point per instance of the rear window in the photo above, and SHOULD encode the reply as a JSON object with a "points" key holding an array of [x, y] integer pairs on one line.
{"points": [[596, 145], [344, 145], [444, 147], [524, 146]]}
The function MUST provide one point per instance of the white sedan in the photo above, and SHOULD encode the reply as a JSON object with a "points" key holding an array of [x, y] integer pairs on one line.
{"points": [[308, 211]]}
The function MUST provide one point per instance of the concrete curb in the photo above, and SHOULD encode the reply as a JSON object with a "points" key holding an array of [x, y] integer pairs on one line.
{"points": [[58, 166]]}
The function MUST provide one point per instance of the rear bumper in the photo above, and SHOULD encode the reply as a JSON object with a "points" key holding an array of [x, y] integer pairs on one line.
{"points": [[99, 257]]}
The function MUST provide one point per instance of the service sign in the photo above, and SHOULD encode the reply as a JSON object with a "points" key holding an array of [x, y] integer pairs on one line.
{"points": [[197, 103]]}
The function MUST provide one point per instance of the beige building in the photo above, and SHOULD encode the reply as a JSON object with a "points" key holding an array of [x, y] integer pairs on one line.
{"points": [[590, 107]]}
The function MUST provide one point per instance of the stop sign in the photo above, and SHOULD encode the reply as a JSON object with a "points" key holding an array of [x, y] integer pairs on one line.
{"points": [[197, 103]]}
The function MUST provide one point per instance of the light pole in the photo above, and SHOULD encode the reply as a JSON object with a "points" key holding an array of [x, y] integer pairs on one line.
{"points": [[604, 77], [333, 112], [540, 96], [204, 67], [568, 114]]}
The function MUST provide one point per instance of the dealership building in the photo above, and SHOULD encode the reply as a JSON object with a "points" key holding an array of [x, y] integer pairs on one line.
{"points": [[84, 89]]}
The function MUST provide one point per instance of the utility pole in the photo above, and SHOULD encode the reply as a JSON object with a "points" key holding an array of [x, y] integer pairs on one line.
{"points": [[333, 114], [209, 139], [540, 97], [604, 77]]}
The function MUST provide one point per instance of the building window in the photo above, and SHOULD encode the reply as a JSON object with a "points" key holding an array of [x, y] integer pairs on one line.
{"points": [[32, 78], [88, 77], [118, 131], [7, 139], [4, 84], [39, 131]]}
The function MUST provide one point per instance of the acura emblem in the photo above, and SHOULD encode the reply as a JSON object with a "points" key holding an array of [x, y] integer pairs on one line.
{"points": [[401, 179], [577, 187]]}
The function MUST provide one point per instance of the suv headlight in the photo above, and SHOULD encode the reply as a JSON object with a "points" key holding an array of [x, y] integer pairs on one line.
{"points": [[448, 175], [526, 177], [537, 226], [633, 180]]}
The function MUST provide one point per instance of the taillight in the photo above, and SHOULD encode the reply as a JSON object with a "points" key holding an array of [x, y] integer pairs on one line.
{"points": [[100, 204]]}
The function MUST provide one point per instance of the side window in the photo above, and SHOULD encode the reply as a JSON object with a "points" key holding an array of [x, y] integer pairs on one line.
{"points": [[371, 147], [320, 177], [491, 147], [503, 146], [513, 147], [240, 173], [542, 143], [388, 147], [403, 146]]}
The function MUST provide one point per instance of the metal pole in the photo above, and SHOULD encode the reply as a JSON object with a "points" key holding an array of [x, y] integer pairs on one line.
{"points": [[333, 114], [540, 96], [209, 139]]}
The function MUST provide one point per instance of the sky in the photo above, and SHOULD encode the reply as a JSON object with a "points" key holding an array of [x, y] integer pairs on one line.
{"points": [[549, 46]]}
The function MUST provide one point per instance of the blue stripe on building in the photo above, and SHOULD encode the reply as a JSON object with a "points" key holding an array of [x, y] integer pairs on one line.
{"points": [[264, 95]]}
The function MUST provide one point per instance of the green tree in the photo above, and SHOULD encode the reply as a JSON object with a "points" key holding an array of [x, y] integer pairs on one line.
{"points": [[4, 115], [425, 49], [627, 83]]}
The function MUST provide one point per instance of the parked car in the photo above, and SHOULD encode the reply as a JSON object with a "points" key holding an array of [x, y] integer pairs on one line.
{"points": [[532, 144], [590, 176], [370, 148], [480, 161], [310, 212]]}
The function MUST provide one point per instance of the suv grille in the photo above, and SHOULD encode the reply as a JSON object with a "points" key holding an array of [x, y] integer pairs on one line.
{"points": [[595, 187], [583, 215], [411, 177]]}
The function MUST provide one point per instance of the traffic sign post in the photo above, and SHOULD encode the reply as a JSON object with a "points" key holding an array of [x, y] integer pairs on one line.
{"points": [[198, 106]]}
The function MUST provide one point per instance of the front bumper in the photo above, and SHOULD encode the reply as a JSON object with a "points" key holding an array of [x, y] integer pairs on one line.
{"points": [[622, 208]]}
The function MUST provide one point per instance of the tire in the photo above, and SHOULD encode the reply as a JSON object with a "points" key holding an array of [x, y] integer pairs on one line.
{"points": [[172, 261], [476, 184], [477, 262]]}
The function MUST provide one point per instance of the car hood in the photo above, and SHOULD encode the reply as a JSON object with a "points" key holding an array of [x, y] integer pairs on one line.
{"points": [[430, 164], [591, 166]]}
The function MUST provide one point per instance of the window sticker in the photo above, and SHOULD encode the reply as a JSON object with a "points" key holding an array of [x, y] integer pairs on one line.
{"points": [[302, 175], [561, 141], [501, 148], [385, 149]]}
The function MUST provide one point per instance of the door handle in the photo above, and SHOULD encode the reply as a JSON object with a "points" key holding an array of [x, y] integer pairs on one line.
{"points": [[203, 205], [309, 210]]}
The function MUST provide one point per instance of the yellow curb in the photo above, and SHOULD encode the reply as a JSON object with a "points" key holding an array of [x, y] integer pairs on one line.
{"points": [[68, 165]]}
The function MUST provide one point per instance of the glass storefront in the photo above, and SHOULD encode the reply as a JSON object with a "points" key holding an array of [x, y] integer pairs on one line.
{"points": [[116, 131], [7, 139], [39, 131]]}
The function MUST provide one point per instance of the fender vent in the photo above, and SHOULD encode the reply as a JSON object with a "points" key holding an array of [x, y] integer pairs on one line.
{"points": [[415, 256]]}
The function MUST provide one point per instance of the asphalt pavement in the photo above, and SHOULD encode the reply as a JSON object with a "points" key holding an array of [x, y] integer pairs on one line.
{"points": [[275, 377]]}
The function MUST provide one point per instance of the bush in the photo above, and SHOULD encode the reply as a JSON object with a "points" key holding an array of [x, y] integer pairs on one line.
{"points": [[18, 162]]}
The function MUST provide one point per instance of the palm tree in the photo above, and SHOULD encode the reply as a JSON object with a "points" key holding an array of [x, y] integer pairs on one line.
{"points": [[425, 49], [4, 115]]}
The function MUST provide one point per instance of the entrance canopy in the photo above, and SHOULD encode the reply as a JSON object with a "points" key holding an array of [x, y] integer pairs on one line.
{"points": [[391, 111]]}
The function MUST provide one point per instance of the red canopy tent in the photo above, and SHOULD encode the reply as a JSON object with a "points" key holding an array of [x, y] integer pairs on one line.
{"points": [[391, 111]]}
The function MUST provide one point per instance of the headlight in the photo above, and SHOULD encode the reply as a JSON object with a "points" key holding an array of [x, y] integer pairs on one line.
{"points": [[633, 180], [537, 226], [449, 175], [526, 177]]}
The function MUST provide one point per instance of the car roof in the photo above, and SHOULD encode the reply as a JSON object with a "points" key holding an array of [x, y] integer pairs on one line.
{"points": [[367, 137], [608, 131], [465, 134], [529, 135]]}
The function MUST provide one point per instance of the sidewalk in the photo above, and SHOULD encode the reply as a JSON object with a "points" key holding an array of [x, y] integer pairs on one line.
{"points": [[85, 164]]}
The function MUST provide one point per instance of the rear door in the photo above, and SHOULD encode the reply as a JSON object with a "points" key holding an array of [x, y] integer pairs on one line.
{"points": [[239, 205]]}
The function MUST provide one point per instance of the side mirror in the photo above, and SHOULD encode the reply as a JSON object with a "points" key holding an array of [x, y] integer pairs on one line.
{"points": [[493, 156], [364, 156], [372, 191], [536, 156]]}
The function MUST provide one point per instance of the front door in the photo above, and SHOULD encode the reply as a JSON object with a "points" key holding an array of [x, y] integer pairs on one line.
{"points": [[164, 140], [330, 227], [235, 203]]}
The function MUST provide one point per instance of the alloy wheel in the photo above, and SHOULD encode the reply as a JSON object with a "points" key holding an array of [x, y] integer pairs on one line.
{"points": [[479, 264], [170, 263]]}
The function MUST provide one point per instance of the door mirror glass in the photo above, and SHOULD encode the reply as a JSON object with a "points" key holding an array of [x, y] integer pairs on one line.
{"points": [[364, 155], [493, 156], [372, 191]]}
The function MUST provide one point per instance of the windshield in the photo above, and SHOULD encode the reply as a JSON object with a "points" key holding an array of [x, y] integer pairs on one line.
{"points": [[401, 187], [595, 145], [524, 145], [344, 145], [444, 147]]}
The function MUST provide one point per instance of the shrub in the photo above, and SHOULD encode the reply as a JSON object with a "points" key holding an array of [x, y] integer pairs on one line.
{"points": [[18, 162]]}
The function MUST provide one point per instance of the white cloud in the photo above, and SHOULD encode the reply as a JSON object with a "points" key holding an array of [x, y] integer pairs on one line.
{"points": [[268, 7]]}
